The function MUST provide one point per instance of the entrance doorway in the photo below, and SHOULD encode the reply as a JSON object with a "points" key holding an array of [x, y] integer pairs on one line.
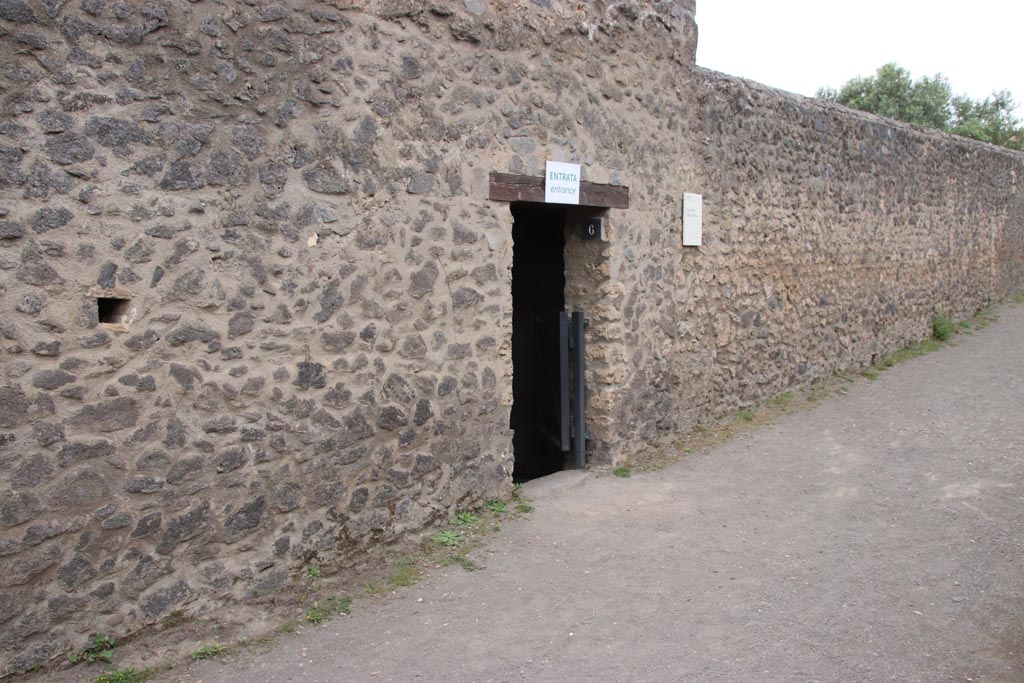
{"points": [[554, 268], [547, 348]]}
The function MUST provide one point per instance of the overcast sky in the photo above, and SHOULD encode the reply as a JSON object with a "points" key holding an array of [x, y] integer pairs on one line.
{"points": [[801, 45]]}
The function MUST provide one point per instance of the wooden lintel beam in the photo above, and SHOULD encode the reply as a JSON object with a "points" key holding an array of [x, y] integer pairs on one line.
{"points": [[511, 187]]}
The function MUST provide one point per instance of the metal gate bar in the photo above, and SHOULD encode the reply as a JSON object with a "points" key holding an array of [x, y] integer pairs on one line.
{"points": [[579, 422]]}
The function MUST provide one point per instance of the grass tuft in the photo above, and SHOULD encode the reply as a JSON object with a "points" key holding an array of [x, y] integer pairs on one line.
{"points": [[496, 507], [460, 560], [407, 572], [209, 652], [322, 610], [127, 674], [942, 327], [447, 538], [464, 518]]}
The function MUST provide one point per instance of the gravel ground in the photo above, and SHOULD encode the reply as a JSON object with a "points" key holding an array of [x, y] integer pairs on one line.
{"points": [[875, 537]]}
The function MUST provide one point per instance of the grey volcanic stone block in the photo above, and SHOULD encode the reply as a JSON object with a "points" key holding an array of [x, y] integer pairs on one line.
{"points": [[17, 507], [50, 218], [76, 572], [148, 525], [76, 452], [397, 389], [185, 527], [10, 231], [51, 379], [246, 518], [424, 412], [69, 148], [108, 416], [108, 276], [250, 140], [227, 168], [391, 418], [35, 270], [51, 121], [310, 376], [146, 572], [143, 484], [17, 11], [47, 433], [183, 175], [161, 601], [31, 304], [241, 324], [117, 134], [231, 459], [466, 297], [13, 406], [191, 333], [423, 183], [326, 179], [422, 281]]}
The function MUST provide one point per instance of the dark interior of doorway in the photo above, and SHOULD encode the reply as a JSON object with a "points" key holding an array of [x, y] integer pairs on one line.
{"points": [[538, 294]]}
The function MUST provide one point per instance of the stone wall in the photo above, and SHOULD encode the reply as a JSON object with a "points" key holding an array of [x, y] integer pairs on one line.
{"points": [[255, 307], [831, 239]]}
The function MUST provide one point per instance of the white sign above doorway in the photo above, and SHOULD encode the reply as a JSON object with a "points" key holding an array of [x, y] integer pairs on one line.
{"points": [[562, 183]]}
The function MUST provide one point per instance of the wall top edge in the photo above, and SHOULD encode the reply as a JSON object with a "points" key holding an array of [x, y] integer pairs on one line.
{"points": [[706, 78]]}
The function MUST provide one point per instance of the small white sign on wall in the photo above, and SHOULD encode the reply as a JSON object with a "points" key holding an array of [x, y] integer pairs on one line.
{"points": [[562, 183], [693, 219]]}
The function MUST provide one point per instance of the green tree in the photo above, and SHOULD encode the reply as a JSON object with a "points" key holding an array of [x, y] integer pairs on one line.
{"points": [[929, 102], [891, 92], [990, 120]]}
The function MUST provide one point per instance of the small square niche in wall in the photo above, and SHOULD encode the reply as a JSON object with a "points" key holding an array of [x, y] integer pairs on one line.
{"points": [[113, 311]]}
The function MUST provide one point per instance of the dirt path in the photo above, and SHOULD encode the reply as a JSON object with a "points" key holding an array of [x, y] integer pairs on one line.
{"points": [[877, 537]]}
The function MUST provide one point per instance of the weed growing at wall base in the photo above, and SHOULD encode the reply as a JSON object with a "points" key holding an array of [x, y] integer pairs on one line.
{"points": [[496, 507], [322, 610], [101, 649], [209, 652], [942, 327], [919, 349], [447, 538], [128, 674], [464, 517], [407, 572]]}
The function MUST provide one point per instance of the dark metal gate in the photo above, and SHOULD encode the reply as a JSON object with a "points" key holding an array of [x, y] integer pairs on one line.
{"points": [[562, 402]]}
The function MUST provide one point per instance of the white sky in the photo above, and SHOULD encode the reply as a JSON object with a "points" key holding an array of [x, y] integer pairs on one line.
{"points": [[801, 45]]}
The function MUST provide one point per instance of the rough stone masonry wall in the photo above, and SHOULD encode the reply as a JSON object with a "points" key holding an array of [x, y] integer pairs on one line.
{"points": [[831, 239], [314, 354]]}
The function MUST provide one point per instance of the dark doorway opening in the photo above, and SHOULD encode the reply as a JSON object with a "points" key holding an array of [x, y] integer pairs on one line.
{"points": [[538, 296]]}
